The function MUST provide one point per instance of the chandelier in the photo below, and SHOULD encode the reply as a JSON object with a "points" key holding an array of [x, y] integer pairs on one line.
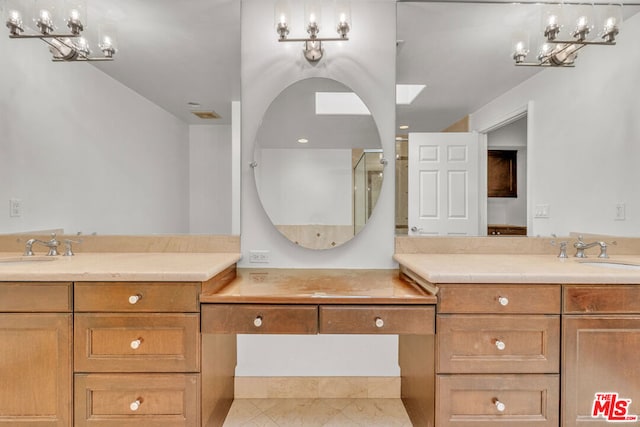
{"points": [[46, 21], [566, 29], [313, 50]]}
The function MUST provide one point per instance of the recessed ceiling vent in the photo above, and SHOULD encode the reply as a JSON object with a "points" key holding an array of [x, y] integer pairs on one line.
{"points": [[206, 114]]}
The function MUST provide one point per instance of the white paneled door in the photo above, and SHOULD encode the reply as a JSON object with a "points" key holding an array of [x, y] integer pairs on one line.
{"points": [[443, 184]]}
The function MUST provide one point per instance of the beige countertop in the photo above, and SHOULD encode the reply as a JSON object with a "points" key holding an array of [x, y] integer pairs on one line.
{"points": [[319, 286], [149, 266], [507, 268]]}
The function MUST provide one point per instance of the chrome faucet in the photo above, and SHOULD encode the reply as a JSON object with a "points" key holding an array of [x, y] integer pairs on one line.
{"points": [[51, 244], [580, 246]]}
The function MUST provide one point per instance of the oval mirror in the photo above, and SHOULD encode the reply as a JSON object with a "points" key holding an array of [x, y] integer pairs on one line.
{"points": [[318, 163]]}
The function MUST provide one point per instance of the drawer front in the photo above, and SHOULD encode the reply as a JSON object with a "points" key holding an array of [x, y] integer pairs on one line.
{"points": [[136, 400], [384, 319], [498, 344], [524, 299], [497, 400], [136, 297], [259, 319], [136, 343], [35, 297], [613, 299]]}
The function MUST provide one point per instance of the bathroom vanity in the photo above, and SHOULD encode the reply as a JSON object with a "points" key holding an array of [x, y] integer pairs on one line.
{"points": [[141, 339]]}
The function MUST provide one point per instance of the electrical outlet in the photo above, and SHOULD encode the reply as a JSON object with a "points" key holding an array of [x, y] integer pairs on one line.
{"points": [[15, 208], [259, 256], [620, 212], [542, 211]]}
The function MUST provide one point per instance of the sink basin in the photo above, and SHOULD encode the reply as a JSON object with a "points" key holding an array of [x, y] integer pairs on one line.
{"points": [[612, 264], [25, 259]]}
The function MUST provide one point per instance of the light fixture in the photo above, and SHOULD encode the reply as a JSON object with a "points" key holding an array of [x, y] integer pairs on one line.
{"points": [[64, 44], [303, 140], [313, 50], [558, 51], [403, 127]]}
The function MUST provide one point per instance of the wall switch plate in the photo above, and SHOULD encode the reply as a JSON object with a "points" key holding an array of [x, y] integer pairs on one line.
{"points": [[15, 208], [260, 256], [620, 212], [542, 211]]}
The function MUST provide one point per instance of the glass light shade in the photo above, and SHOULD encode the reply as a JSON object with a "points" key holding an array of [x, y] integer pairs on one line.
{"points": [[581, 20], [343, 17], [75, 13], [609, 18], [282, 18], [552, 21], [519, 45], [312, 12], [107, 38], [46, 12], [14, 12]]}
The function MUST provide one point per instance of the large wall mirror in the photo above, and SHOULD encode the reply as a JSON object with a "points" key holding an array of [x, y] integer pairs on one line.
{"points": [[318, 163], [574, 129], [114, 147]]}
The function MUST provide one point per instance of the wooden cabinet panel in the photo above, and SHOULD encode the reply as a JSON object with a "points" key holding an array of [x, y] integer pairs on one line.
{"points": [[506, 230], [508, 299], [35, 370], [498, 344], [502, 173], [137, 343], [259, 319], [137, 400], [136, 297], [35, 297], [615, 299], [474, 400], [600, 356], [369, 319]]}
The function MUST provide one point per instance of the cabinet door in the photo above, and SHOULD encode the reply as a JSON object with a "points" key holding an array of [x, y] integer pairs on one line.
{"points": [[35, 370], [600, 356]]}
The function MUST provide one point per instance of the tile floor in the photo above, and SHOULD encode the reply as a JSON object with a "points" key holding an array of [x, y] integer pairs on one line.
{"points": [[317, 413]]}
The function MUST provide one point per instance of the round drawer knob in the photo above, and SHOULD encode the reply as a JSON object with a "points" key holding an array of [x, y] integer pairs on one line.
{"points": [[500, 345], [499, 405], [135, 344], [257, 322], [134, 406], [379, 322], [133, 299], [504, 301]]}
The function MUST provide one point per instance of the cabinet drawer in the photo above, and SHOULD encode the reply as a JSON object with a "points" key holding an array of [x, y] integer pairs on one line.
{"points": [[136, 343], [384, 319], [498, 344], [136, 400], [136, 297], [533, 299], [615, 299], [35, 297], [259, 319], [497, 400]]}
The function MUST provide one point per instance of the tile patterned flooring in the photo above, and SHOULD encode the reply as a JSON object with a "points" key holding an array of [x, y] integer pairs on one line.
{"points": [[317, 413]]}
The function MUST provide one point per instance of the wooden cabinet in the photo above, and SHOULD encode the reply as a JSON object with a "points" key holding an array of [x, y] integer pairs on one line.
{"points": [[601, 341], [370, 319], [137, 354], [486, 334], [506, 230], [502, 173], [259, 319], [35, 354]]}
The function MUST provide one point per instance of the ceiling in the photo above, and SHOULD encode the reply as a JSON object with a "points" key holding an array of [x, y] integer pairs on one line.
{"points": [[175, 52]]}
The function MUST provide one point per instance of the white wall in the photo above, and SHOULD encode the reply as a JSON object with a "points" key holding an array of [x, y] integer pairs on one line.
{"points": [[85, 153], [366, 63], [510, 210], [306, 186], [583, 138], [210, 183]]}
